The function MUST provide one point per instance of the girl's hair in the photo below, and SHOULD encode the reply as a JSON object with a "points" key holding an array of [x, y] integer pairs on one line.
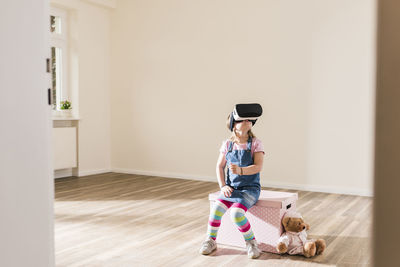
{"points": [[233, 137]]}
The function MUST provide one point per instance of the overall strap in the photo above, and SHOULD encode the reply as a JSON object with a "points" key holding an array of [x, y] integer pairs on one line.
{"points": [[230, 146], [249, 144]]}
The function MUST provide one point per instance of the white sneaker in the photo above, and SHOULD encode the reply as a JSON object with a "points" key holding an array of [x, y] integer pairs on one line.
{"points": [[208, 246], [252, 249]]}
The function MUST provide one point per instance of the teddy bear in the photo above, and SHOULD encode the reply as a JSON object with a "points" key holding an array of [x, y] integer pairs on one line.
{"points": [[294, 240]]}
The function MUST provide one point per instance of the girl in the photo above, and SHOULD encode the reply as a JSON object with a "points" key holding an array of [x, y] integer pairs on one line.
{"points": [[243, 153]]}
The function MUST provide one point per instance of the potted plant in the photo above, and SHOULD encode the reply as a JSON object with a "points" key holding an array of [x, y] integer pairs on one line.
{"points": [[65, 107]]}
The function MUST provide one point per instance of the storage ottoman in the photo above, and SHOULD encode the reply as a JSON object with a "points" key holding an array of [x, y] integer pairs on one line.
{"points": [[265, 218]]}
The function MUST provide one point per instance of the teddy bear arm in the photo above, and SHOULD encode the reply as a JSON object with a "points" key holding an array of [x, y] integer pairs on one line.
{"points": [[284, 239], [283, 244], [281, 248]]}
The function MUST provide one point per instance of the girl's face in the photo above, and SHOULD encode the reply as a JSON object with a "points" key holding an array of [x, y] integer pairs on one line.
{"points": [[243, 126]]}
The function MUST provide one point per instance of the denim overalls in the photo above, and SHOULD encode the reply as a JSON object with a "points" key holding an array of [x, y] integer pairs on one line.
{"points": [[246, 188]]}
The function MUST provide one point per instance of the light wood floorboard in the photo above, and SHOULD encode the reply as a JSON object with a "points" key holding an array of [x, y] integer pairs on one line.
{"points": [[116, 219]]}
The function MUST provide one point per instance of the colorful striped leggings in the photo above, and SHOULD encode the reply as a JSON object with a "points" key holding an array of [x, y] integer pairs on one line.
{"points": [[237, 214]]}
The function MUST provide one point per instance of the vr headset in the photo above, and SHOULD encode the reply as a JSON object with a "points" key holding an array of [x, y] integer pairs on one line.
{"points": [[243, 112]]}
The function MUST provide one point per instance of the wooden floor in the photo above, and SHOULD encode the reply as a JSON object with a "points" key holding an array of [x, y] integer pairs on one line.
{"points": [[118, 219]]}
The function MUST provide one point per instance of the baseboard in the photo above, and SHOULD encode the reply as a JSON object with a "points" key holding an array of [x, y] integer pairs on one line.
{"points": [[272, 184], [62, 173], [69, 172], [93, 172], [167, 175], [319, 188]]}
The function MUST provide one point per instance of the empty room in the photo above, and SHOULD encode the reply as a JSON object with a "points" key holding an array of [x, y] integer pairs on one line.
{"points": [[199, 133]]}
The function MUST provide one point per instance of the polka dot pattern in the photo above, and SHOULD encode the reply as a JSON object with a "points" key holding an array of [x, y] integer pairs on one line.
{"points": [[265, 221]]}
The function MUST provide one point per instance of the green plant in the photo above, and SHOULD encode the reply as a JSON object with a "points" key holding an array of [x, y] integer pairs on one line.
{"points": [[65, 104]]}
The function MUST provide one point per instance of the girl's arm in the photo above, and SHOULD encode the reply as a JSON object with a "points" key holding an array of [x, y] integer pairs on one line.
{"points": [[226, 190], [221, 162], [252, 169]]}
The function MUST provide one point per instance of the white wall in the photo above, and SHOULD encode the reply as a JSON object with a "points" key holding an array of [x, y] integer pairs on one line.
{"points": [[90, 58], [178, 67], [94, 89], [341, 121], [26, 178]]}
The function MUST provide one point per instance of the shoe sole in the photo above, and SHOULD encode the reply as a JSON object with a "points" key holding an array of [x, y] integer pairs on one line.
{"points": [[204, 253], [254, 257]]}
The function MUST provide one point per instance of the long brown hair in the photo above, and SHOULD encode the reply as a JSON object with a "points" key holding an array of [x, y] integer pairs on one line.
{"points": [[233, 137]]}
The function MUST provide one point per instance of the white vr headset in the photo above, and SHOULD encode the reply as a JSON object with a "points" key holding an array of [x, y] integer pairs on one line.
{"points": [[243, 112]]}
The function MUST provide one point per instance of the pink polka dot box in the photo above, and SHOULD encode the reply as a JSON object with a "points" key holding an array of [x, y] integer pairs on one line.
{"points": [[265, 218]]}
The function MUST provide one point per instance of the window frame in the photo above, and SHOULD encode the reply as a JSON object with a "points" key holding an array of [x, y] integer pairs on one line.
{"points": [[61, 41]]}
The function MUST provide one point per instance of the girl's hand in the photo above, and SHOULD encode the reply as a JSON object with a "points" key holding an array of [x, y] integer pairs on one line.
{"points": [[235, 169], [227, 190]]}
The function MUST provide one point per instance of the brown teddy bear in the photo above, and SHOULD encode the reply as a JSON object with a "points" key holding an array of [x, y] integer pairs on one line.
{"points": [[294, 239]]}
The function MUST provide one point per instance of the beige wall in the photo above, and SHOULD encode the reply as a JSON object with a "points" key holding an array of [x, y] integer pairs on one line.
{"points": [[341, 96], [89, 44], [309, 64], [94, 89], [178, 67]]}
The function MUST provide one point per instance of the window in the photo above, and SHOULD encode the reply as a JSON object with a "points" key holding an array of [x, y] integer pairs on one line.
{"points": [[59, 55]]}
